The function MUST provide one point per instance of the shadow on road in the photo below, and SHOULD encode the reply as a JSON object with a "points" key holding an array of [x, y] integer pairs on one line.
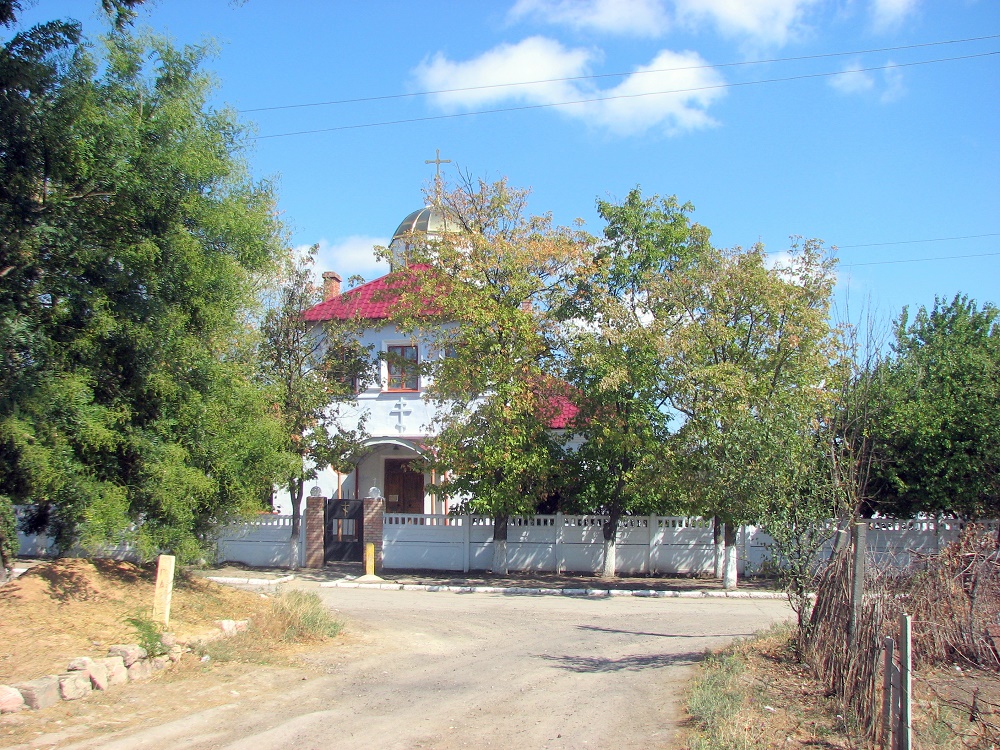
{"points": [[636, 663], [663, 635]]}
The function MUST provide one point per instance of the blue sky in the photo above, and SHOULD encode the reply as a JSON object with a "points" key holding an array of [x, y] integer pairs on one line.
{"points": [[901, 153]]}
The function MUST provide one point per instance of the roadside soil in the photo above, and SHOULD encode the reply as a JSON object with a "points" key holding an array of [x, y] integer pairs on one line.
{"points": [[65, 608]]}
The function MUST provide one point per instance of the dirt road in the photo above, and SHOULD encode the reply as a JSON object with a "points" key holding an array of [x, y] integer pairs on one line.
{"points": [[443, 670]]}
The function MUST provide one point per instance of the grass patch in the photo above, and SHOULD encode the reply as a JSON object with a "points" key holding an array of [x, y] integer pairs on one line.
{"points": [[292, 618], [754, 695]]}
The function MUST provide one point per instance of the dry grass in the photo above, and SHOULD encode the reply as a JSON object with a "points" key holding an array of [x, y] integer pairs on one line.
{"points": [[757, 695], [292, 618], [952, 597]]}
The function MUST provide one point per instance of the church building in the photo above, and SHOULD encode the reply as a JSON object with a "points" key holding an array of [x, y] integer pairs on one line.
{"points": [[397, 417]]}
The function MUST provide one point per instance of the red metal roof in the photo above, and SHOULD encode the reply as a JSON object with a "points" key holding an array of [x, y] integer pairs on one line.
{"points": [[371, 301], [557, 406], [560, 412], [375, 300]]}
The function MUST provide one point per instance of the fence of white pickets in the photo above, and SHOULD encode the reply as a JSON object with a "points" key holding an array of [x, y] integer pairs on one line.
{"points": [[573, 543]]}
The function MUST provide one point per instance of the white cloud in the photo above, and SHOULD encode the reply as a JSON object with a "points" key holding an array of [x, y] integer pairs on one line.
{"points": [[636, 109], [887, 14], [349, 256], [629, 17], [894, 88], [772, 22], [534, 59], [852, 79], [855, 80], [636, 112]]}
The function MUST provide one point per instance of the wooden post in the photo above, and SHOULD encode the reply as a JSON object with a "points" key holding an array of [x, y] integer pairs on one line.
{"points": [[164, 589], [889, 667], [905, 684], [858, 579]]}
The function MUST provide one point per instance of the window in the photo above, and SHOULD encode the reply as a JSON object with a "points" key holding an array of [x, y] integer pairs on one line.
{"points": [[403, 370]]}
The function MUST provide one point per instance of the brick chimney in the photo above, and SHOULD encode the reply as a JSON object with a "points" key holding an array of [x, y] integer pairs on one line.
{"points": [[331, 285]]}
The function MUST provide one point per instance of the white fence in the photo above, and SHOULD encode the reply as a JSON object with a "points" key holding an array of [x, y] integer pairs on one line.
{"points": [[646, 545], [264, 542]]}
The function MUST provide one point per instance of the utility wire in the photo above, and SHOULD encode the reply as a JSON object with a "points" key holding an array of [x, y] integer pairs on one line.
{"points": [[614, 75], [913, 242], [916, 260], [835, 246], [525, 107]]}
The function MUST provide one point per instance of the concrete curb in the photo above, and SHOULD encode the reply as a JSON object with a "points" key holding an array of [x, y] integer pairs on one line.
{"points": [[250, 581], [523, 591]]}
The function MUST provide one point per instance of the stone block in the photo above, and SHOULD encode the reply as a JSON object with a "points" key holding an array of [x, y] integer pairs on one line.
{"points": [[117, 673], [74, 685], [130, 653], [98, 674], [80, 664], [169, 640], [11, 700], [175, 653], [160, 662], [140, 670], [40, 693]]}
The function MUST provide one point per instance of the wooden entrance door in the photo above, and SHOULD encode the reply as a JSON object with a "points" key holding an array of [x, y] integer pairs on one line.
{"points": [[404, 487]]}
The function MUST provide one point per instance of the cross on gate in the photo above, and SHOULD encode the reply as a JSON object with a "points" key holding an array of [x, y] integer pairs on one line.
{"points": [[399, 411]]}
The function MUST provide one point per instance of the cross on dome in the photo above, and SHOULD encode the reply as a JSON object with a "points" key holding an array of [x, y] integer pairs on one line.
{"points": [[437, 161]]}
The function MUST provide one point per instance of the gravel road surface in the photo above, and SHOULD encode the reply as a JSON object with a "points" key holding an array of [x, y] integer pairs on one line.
{"points": [[445, 670]]}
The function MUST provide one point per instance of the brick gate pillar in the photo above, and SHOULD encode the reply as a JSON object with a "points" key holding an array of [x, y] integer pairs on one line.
{"points": [[315, 531], [372, 530]]}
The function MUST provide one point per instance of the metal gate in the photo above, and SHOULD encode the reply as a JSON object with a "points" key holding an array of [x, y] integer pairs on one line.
{"points": [[344, 522]]}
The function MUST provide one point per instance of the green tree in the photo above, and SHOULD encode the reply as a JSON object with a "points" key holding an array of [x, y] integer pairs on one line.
{"points": [[751, 352], [940, 435], [310, 370], [131, 239], [493, 284], [614, 326]]}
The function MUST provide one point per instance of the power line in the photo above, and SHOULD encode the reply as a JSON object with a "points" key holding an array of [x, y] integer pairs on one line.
{"points": [[912, 242], [917, 260], [383, 97], [525, 107]]}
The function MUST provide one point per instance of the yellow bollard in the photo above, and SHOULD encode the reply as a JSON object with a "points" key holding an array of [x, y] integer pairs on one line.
{"points": [[369, 558]]}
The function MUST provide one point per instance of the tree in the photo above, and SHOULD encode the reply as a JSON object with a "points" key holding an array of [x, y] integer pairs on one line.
{"points": [[750, 353], [310, 370], [482, 297], [940, 435], [131, 239], [614, 324]]}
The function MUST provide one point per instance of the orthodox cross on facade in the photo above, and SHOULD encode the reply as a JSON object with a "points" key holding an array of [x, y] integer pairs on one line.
{"points": [[437, 161], [400, 410]]}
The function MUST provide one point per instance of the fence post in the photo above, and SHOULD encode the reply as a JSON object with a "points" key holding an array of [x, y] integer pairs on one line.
{"points": [[905, 683], [557, 544], [858, 579], [654, 533], [887, 696], [744, 530], [466, 541]]}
